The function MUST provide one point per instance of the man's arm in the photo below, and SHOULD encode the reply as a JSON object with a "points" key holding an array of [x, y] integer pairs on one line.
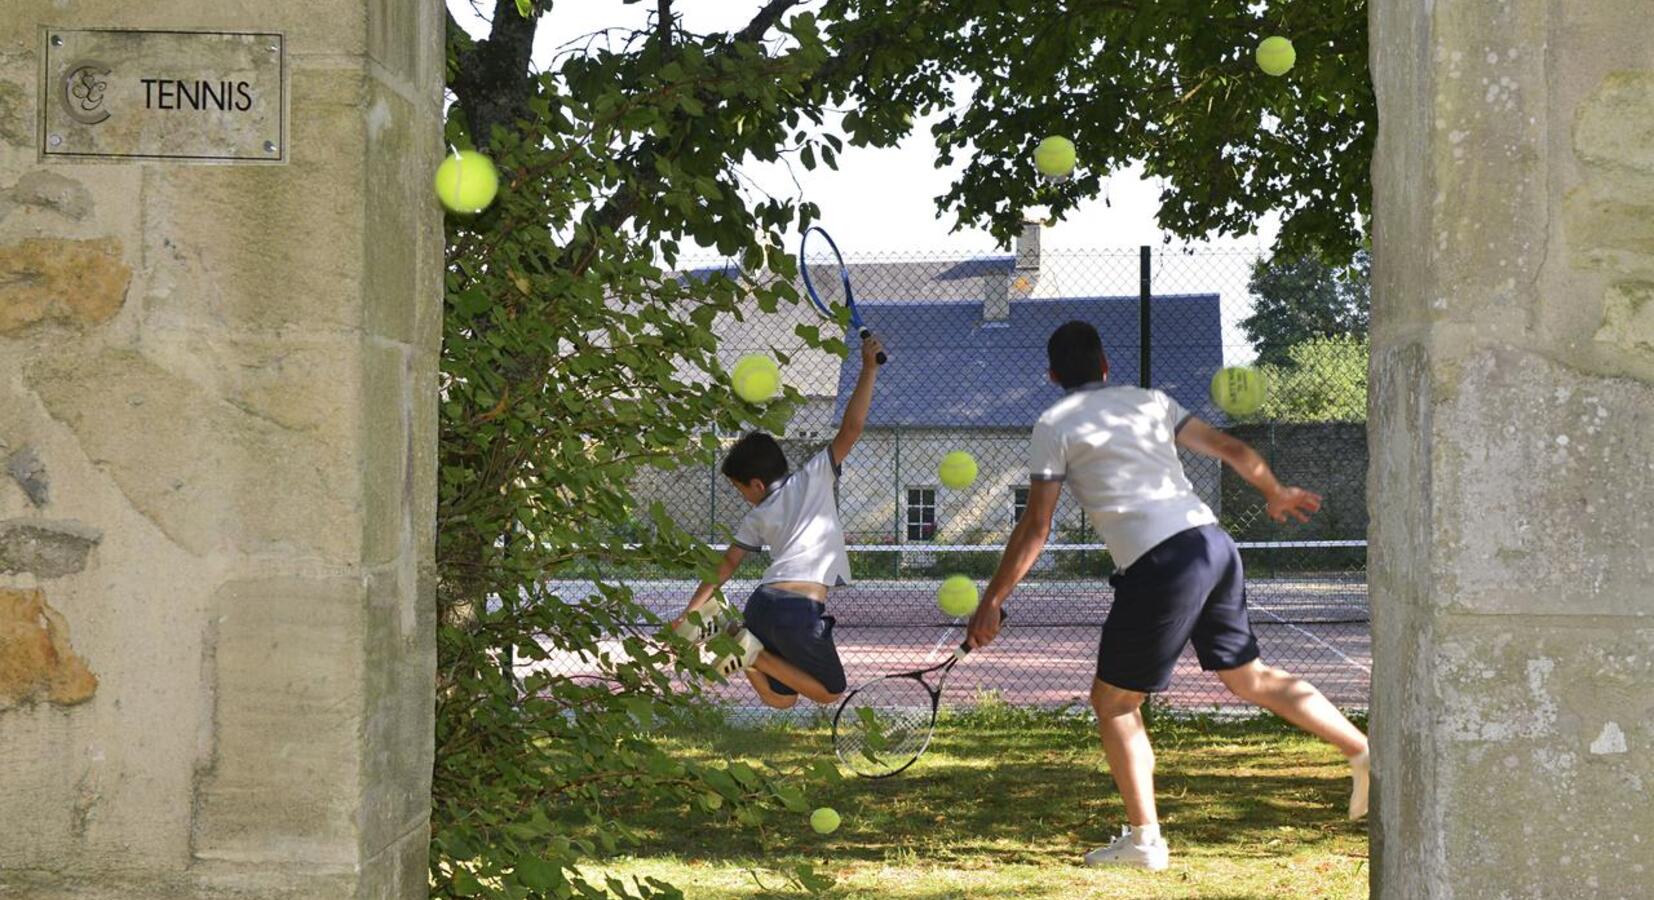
{"points": [[855, 412], [1024, 547], [732, 561], [1281, 500]]}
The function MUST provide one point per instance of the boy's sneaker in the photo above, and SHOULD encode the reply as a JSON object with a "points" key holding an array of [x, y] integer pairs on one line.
{"points": [[751, 646], [1123, 851], [1361, 773], [701, 623]]}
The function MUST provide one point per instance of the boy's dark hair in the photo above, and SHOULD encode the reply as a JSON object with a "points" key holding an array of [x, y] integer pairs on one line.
{"points": [[1076, 354], [755, 456]]}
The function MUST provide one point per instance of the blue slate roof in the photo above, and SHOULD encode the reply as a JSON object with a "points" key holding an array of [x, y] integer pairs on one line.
{"points": [[949, 369]]}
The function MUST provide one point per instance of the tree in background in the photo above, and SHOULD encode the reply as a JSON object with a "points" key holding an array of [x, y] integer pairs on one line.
{"points": [[572, 356], [1323, 379], [1300, 297]]}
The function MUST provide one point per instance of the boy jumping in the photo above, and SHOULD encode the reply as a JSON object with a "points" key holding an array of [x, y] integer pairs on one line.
{"points": [[1179, 575], [787, 642]]}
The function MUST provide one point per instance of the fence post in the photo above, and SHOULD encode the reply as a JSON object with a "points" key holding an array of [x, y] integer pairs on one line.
{"points": [[712, 501], [896, 479], [1144, 330]]}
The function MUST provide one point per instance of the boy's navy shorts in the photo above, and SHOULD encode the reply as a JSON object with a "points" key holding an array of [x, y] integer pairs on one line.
{"points": [[797, 629], [1188, 588]]}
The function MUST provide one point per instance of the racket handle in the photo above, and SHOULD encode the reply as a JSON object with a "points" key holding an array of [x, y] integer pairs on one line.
{"points": [[965, 646], [883, 357]]}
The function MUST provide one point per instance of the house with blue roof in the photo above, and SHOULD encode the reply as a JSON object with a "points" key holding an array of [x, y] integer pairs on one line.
{"points": [[967, 372]]}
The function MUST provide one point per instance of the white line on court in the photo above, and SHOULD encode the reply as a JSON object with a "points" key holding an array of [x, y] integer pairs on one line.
{"points": [[1314, 637]]}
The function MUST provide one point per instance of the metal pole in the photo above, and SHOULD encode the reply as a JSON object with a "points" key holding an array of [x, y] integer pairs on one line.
{"points": [[896, 478], [1144, 331]]}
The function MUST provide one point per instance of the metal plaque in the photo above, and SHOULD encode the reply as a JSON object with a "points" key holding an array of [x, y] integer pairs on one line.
{"points": [[189, 96]]}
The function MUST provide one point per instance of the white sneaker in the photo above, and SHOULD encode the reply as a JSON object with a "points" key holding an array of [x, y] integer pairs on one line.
{"points": [[1360, 772], [1122, 851], [701, 623], [751, 646]]}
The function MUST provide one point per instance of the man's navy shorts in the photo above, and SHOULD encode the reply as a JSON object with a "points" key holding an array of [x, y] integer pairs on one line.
{"points": [[797, 629], [1188, 588]]}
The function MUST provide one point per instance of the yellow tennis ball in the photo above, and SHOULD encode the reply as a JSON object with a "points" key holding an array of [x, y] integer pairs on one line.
{"points": [[1054, 156], [957, 596], [1238, 390], [1276, 56], [958, 469], [756, 378], [466, 182], [824, 820]]}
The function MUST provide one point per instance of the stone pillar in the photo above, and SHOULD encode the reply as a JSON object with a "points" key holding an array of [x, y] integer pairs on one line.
{"points": [[217, 478], [1513, 449]]}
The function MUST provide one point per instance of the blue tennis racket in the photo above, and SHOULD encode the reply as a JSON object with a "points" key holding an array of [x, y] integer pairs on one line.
{"points": [[827, 280]]}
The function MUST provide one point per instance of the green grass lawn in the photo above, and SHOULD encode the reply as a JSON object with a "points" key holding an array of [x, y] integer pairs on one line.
{"points": [[1005, 802]]}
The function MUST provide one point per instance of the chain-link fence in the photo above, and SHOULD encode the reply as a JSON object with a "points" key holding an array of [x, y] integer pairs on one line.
{"points": [[966, 336]]}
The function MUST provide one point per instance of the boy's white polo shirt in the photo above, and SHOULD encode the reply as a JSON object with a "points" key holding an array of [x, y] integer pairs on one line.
{"points": [[798, 521], [1116, 448]]}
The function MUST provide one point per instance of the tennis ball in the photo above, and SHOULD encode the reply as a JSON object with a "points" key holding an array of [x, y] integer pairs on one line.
{"points": [[1054, 157], [467, 182], [1238, 390], [957, 596], [958, 469], [756, 377], [824, 820], [1276, 56]]}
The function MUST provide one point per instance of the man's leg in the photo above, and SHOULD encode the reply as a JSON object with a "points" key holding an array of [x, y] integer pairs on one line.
{"points": [[1296, 701], [1126, 745]]}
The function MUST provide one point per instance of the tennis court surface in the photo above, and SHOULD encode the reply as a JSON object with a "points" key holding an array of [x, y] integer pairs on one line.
{"points": [[1315, 625]]}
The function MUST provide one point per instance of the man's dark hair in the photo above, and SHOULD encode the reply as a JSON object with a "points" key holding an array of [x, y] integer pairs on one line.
{"points": [[755, 456], [1076, 354]]}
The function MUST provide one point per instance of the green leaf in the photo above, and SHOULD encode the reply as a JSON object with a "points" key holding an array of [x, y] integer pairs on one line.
{"points": [[464, 884], [525, 8], [536, 873]]}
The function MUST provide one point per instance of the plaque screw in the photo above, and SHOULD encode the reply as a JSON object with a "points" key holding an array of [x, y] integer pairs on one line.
{"points": [[273, 48], [55, 140], [269, 146], [57, 40]]}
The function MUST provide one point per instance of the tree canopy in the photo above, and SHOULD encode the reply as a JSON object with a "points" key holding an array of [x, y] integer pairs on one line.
{"points": [[1299, 298]]}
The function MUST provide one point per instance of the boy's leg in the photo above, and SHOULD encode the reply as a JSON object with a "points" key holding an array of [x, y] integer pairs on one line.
{"points": [[772, 699], [1126, 745], [792, 676], [1295, 700]]}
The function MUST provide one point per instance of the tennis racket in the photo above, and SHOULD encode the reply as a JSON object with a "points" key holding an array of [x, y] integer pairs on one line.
{"points": [[884, 726], [827, 280]]}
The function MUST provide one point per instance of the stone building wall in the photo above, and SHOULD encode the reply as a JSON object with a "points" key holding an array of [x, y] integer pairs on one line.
{"points": [[217, 479]]}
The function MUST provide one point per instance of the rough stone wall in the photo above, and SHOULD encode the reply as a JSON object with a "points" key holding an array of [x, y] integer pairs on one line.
{"points": [[1512, 441], [217, 431]]}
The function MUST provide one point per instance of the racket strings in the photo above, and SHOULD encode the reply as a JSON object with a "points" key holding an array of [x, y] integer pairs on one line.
{"points": [[825, 278], [885, 726]]}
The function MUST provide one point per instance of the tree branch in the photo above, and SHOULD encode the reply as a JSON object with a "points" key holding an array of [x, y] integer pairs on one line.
{"points": [[765, 20], [663, 22], [494, 82]]}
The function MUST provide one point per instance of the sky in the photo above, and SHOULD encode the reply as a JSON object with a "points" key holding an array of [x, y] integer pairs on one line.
{"points": [[883, 200]]}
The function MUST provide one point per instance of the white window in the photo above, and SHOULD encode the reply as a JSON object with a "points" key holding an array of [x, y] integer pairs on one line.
{"points": [[921, 513]]}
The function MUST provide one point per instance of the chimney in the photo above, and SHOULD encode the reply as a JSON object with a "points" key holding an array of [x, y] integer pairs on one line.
{"points": [[1001, 287], [1028, 248]]}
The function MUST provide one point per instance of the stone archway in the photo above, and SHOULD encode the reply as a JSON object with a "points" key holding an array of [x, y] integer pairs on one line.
{"points": [[1513, 448], [218, 437]]}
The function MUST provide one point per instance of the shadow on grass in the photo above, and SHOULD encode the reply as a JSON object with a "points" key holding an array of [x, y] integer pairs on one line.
{"points": [[1028, 788]]}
